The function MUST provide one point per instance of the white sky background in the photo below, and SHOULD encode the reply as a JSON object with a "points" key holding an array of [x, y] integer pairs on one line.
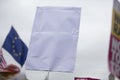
{"points": [[93, 43]]}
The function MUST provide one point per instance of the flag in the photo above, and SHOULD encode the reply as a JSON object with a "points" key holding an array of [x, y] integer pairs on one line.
{"points": [[15, 46], [54, 39], [3, 63], [114, 50]]}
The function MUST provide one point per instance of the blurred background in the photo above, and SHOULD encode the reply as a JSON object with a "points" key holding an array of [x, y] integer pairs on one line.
{"points": [[94, 34]]}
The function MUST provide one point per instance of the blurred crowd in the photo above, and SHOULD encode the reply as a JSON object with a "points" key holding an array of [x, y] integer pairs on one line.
{"points": [[12, 72]]}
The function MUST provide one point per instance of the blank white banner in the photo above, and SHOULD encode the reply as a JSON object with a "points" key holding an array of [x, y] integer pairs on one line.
{"points": [[54, 39]]}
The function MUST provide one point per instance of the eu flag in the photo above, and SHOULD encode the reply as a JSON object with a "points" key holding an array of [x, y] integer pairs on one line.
{"points": [[15, 46]]}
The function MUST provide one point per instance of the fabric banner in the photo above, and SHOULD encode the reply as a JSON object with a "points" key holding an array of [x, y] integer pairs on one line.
{"points": [[15, 46], [54, 39], [114, 49]]}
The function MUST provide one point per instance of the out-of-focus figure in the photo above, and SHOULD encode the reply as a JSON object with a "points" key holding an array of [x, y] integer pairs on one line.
{"points": [[20, 76], [9, 72], [111, 76]]}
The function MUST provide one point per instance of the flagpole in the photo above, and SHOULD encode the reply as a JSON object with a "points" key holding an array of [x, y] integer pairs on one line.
{"points": [[25, 74], [47, 77]]}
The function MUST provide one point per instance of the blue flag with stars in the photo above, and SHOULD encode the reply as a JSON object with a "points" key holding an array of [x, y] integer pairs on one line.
{"points": [[15, 46]]}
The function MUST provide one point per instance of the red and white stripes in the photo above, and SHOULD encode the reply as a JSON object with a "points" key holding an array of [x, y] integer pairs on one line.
{"points": [[3, 63]]}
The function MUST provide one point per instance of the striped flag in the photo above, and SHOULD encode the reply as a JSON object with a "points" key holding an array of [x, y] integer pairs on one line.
{"points": [[3, 63]]}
